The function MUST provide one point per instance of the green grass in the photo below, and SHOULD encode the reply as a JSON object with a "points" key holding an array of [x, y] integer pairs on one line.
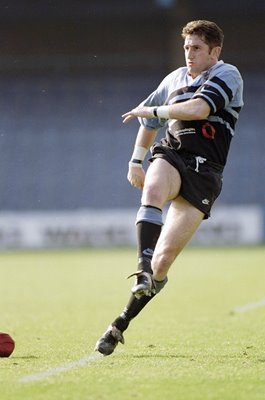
{"points": [[185, 345]]}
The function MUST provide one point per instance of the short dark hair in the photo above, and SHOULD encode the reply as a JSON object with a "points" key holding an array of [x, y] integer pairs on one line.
{"points": [[208, 31]]}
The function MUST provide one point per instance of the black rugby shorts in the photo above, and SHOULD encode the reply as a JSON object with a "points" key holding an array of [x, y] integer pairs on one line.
{"points": [[201, 183]]}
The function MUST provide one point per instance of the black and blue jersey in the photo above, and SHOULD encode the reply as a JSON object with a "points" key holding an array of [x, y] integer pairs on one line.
{"points": [[221, 86]]}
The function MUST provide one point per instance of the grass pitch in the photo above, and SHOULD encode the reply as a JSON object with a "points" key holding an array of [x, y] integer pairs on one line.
{"points": [[191, 342]]}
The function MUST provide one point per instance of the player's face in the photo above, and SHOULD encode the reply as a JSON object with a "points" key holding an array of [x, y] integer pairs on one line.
{"points": [[198, 55]]}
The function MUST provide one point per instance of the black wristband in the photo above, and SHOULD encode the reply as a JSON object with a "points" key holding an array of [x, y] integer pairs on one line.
{"points": [[155, 111], [135, 161]]}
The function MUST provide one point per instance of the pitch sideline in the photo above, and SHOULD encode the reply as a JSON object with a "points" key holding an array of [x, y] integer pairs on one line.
{"points": [[249, 307], [61, 368]]}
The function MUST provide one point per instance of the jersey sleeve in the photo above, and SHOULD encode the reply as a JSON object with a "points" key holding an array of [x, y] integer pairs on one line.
{"points": [[157, 98], [222, 89]]}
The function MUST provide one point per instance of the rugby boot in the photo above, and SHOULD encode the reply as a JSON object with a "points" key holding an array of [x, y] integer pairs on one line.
{"points": [[144, 284], [109, 340]]}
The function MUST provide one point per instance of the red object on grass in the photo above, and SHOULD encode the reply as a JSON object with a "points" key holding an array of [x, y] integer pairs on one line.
{"points": [[7, 345]]}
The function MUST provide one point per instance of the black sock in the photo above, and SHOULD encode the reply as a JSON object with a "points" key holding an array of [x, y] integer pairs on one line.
{"points": [[147, 236], [132, 309]]}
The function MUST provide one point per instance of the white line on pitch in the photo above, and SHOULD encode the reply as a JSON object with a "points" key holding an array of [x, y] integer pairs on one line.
{"points": [[62, 368], [249, 307]]}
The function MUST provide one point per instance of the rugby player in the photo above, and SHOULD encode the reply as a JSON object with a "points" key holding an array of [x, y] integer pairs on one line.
{"points": [[199, 105]]}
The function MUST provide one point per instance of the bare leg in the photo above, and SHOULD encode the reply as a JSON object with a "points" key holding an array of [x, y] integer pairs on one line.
{"points": [[181, 223]]}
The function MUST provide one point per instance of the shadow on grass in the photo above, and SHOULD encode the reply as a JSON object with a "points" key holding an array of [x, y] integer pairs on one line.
{"points": [[29, 357], [155, 355], [220, 357]]}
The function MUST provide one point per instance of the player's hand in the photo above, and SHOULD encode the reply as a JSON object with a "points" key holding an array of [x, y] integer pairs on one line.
{"points": [[136, 176], [142, 112]]}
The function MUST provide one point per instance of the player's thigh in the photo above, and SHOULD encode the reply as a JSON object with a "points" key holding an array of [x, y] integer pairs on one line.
{"points": [[162, 183]]}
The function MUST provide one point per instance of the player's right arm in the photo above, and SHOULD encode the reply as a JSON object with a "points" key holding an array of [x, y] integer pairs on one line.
{"points": [[147, 133], [144, 140]]}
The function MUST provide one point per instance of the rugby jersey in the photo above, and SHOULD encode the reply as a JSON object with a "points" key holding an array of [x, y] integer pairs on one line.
{"points": [[221, 86]]}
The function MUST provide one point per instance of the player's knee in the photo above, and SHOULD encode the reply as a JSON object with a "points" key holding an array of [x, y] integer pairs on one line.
{"points": [[152, 195]]}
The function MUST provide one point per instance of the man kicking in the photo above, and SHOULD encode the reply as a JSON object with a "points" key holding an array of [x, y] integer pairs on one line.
{"points": [[199, 106]]}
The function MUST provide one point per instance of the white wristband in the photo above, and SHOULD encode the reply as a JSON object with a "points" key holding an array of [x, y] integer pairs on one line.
{"points": [[161, 112], [139, 153]]}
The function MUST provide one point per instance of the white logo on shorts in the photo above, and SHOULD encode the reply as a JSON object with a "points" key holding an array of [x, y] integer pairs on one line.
{"points": [[206, 201]]}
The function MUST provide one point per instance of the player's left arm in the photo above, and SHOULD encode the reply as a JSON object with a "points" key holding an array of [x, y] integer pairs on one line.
{"points": [[190, 110], [224, 89]]}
